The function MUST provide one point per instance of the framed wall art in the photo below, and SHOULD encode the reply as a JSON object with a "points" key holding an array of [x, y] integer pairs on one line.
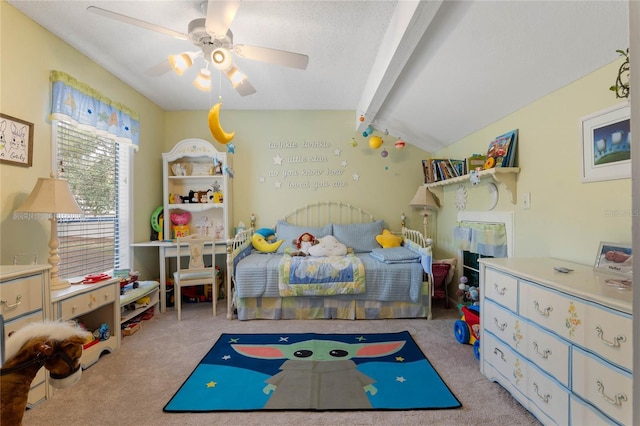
{"points": [[16, 141], [615, 258], [605, 139]]}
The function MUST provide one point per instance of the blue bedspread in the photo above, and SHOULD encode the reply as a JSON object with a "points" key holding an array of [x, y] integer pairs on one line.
{"points": [[257, 276], [320, 276]]}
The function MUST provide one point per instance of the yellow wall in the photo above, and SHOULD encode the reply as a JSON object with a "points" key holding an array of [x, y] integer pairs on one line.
{"points": [[567, 218], [385, 186], [29, 52]]}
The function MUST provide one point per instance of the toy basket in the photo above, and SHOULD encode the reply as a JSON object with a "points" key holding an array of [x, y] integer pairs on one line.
{"points": [[440, 271]]}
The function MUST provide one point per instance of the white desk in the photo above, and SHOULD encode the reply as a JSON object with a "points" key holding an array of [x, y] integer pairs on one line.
{"points": [[167, 249]]}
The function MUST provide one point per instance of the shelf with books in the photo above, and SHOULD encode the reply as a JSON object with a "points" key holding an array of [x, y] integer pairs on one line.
{"points": [[503, 175]]}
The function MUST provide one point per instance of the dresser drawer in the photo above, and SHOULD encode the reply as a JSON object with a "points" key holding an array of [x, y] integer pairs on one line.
{"points": [[501, 288], [86, 302], [609, 334], [17, 324], [553, 311], [21, 296], [503, 324], [542, 391], [603, 385], [582, 413]]}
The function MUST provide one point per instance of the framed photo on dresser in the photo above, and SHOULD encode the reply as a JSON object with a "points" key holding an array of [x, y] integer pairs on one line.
{"points": [[615, 258]]}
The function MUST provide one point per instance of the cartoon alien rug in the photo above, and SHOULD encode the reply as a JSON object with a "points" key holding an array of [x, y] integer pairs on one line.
{"points": [[244, 372]]}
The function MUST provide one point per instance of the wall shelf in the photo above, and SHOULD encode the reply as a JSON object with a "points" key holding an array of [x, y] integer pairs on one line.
{"points": [[503, 175]]}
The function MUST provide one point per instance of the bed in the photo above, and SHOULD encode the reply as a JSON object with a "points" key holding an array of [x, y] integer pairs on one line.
{"points": [[396, 284]]}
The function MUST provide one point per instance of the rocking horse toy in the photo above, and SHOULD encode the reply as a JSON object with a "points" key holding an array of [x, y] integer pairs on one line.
{"points": [[55, 345]]}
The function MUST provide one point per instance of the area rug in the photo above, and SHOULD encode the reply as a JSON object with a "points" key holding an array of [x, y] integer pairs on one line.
{"points": [[310, 371]]}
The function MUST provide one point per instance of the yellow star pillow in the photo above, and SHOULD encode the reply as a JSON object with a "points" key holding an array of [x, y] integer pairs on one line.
{"points": [[388, 240]]}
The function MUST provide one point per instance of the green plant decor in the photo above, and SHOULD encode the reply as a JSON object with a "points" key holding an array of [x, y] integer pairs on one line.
{"points": [[622, 81]]}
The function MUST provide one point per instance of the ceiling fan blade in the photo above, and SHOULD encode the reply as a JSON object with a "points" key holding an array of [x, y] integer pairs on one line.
{"points": [[220, 15], [137, 22], [274, 56], [159, 69], [239, 81]]}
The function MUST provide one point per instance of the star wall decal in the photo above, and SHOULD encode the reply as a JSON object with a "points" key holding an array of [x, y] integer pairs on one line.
{"points": [[344, 163], [277, 160], [355, 176], [262, 179], [277, 184], [337, 151]]}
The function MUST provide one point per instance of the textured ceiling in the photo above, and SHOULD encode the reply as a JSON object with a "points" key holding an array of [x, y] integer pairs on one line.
{"points": [[429, 72]]}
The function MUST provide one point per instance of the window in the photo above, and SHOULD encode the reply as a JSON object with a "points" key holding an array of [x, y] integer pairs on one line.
{"points": [[98, 171]]}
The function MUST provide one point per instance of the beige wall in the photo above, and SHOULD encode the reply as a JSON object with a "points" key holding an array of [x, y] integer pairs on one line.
{"points": [[567, 218]]}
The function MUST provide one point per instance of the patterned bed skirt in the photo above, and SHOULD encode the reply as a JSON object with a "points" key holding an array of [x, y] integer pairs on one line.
{"points": [[331, 308]]}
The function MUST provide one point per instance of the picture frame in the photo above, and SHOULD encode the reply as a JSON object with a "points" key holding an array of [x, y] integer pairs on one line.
{"points": [[614, 258], [16, 141], [605, 143]]}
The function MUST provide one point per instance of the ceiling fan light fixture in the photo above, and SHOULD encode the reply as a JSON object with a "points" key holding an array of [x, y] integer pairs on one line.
{"points": [[180, 63], [203, 80], [236, 77], [221, 58]]}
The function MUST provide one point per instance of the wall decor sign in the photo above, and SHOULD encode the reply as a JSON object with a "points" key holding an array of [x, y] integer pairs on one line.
{"points": [[615, 258], [16, 141], [605, 139]]}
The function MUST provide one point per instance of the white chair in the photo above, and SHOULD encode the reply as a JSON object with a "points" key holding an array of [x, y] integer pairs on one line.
{"points": [[196, 273]]}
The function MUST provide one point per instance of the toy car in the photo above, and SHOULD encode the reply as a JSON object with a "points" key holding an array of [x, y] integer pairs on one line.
{"points": [[467, 329]]}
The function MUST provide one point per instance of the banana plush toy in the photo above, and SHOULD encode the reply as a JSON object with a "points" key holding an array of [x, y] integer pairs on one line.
{"points": [[216, 129], [261, 240]]}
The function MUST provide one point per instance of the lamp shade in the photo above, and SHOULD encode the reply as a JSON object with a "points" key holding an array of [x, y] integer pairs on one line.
{"points": [[50, 198], [180, 63], [203, 80], [424, 199]]}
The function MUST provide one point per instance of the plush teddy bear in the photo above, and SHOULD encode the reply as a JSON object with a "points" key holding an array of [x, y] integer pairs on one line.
{"points": [[303, 244]]}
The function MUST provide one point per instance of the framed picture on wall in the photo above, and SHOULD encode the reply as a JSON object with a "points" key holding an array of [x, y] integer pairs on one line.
{"points": [[605, 142], [615, 258], [16, 141]]}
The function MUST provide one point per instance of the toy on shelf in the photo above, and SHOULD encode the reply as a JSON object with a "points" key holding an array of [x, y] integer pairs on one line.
{"points": [[180, 222], [467, 329], [469, 293]]}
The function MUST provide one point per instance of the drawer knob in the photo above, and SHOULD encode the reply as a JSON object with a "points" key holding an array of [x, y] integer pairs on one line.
{"points": [[616, 400], [545, 398], [544, 312], [500, 291], [12, 305], [544, 354], [616, 340]]}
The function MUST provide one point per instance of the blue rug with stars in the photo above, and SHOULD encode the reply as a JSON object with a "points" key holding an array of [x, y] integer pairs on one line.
{"points": [[311, 371]]}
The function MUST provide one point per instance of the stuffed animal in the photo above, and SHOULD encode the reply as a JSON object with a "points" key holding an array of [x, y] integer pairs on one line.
{"points": [[387, 239], [303, 244], [328, 246], [55, 345]]}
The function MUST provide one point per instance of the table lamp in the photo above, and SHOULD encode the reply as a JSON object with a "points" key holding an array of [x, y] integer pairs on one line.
{"points": [[424, 199], [50, 199]]}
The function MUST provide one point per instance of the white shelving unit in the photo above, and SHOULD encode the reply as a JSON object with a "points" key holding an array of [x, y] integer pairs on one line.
{"points": [[500, 175], [131, 295], [195, 180]]}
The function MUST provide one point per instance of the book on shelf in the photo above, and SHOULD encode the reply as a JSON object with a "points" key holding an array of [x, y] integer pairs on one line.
{"points": [[438, 169], [502, 150]]}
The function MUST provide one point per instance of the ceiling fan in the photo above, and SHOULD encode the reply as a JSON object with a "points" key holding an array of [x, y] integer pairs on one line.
{"points": [[215, 40]]}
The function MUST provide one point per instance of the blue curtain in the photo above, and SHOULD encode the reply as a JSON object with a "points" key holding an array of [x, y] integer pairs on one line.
{"points": [[488, 239], [88, 109]]}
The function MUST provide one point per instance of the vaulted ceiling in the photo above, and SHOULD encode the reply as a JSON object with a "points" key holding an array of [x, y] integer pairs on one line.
{"points": [[430, 72]]}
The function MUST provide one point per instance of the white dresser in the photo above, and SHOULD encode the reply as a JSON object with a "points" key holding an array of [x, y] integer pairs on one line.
{"points": [[561, 344], [24, 298]]}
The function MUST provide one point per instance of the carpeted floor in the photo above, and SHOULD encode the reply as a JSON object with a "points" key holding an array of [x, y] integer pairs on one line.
{"points": [[132, 385]]}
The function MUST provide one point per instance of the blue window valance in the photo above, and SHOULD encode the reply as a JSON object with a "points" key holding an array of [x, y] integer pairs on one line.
{"points": [[488, 239], [90, 110]]}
